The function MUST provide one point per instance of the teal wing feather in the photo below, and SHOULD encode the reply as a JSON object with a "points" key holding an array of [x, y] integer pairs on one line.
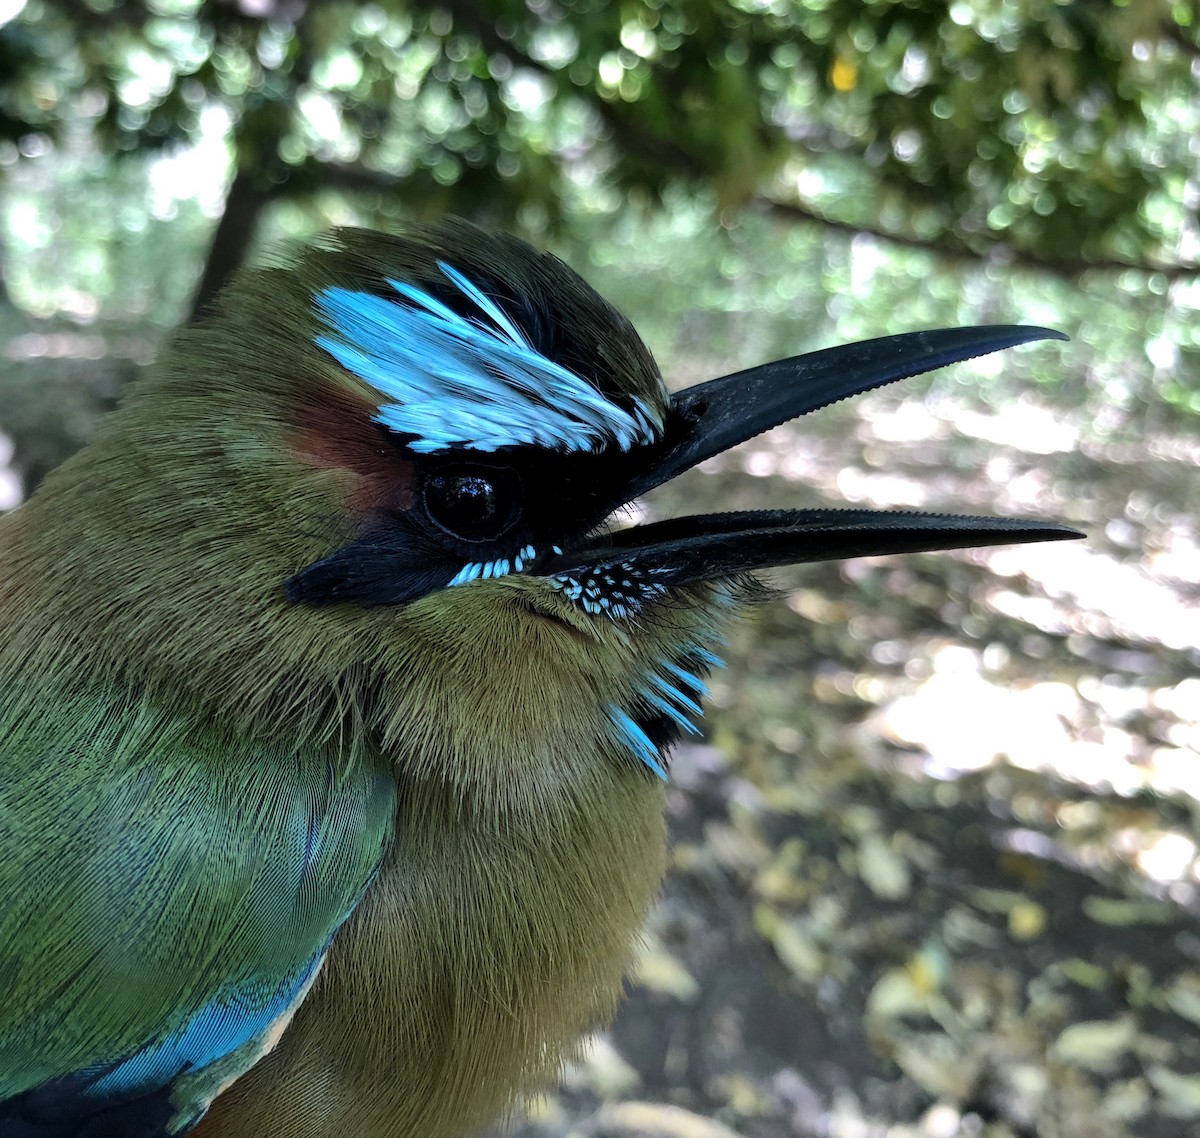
{"points": [[168, 896]]}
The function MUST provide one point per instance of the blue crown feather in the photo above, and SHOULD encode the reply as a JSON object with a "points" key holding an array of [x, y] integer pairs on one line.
{"points": [[475, 382]]}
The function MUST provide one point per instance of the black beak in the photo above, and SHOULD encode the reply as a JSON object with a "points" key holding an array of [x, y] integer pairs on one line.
{"points": [[712, 417]]}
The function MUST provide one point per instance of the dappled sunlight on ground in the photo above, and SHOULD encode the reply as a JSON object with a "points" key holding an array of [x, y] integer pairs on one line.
{"points": [[961, 722], [1090, 592]]}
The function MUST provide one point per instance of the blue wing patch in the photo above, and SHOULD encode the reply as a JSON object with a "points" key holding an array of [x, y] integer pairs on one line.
{"points": [[223, 1027], [137, 1097], [188, 924]]}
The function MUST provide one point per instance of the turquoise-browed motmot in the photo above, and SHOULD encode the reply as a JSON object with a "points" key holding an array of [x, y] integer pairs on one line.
{"points": [[334, 719]]}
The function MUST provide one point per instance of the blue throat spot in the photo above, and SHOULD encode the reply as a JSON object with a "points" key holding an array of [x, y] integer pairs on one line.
{"points": [[636, 740], [666, 704], [475, 382], [669, 694]]}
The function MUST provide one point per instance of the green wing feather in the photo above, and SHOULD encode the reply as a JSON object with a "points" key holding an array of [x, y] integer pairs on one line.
{"points": [[158, 881]]}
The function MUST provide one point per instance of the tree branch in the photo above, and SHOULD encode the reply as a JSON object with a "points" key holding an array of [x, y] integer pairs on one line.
{"points": [[256, 151], [1173, 33], [1067, 267]]}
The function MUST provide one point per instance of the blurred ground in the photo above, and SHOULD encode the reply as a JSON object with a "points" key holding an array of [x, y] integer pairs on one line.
{"points": [[935, 871]]}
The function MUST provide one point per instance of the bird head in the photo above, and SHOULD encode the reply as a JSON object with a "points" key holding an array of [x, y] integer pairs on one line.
{"points": [[398, 455], [510, 411], [519, 410]]}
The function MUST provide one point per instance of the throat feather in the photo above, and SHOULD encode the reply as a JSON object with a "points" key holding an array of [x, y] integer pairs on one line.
{"points": [[665, 705]]}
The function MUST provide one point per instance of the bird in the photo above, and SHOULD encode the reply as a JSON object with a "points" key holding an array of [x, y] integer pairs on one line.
{"points": [[335, 709]]}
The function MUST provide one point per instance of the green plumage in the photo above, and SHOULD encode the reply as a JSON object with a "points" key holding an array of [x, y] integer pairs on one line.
{"points": [[173, 732], [151, 863]]}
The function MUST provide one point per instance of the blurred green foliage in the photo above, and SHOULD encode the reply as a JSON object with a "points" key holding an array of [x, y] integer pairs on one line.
{"points": [[1058, 132]]}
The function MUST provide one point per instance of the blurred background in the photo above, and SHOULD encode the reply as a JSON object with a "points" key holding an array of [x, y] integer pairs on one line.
{"points": [[935, 863]]}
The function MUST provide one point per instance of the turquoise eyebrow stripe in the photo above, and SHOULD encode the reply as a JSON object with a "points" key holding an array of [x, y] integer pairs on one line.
{"points": [[476, 382]]}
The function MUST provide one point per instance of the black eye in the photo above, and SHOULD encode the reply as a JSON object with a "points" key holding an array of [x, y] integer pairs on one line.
{"points": [[473, 503]]}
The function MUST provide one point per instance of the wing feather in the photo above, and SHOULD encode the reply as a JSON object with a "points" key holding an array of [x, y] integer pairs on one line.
{"points": [[169, 894]]}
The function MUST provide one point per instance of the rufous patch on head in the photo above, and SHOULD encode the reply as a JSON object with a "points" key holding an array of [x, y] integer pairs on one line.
{"points": [[335, 429]]}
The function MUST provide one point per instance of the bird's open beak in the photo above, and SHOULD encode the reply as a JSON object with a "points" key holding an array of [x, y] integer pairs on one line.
{"points": [[712, 417]]}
